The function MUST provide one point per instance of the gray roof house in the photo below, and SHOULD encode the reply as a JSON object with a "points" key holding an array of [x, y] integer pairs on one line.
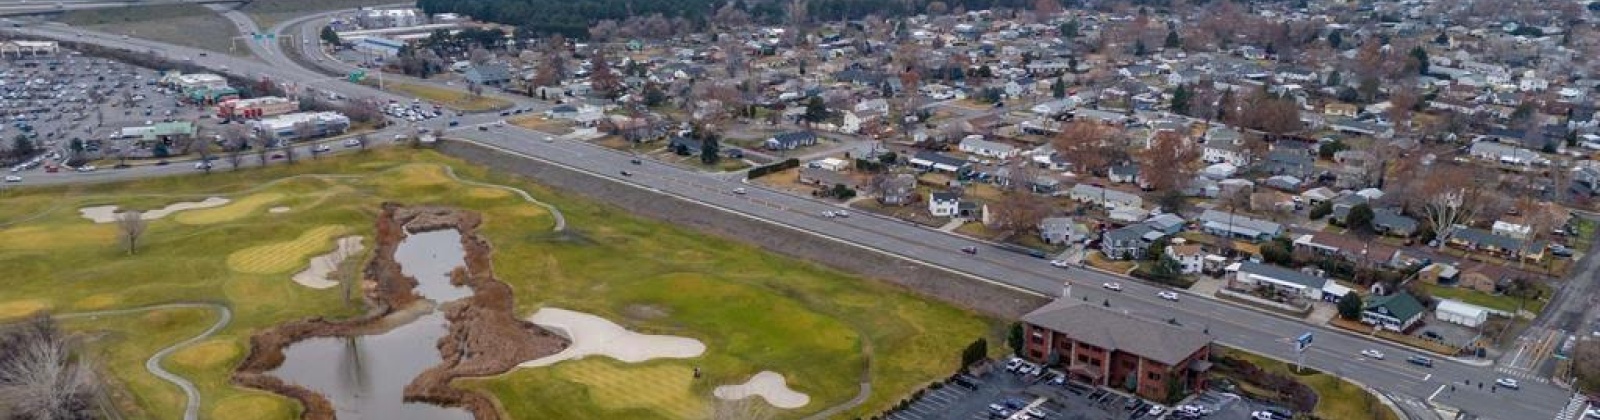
{"points": [[1279, 278], [791, 140], [1129, 242], [898, 190], [1062, 230], [1283, 162], [1389, 221], [1227, 225], [492, 74]]}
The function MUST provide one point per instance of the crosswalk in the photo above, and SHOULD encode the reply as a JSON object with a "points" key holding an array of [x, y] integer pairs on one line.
{"points": [[1521, 374], [1573, 410]]}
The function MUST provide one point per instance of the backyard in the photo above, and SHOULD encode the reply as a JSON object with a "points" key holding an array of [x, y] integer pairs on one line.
{"points": [[1498, 302], [754, 311]]}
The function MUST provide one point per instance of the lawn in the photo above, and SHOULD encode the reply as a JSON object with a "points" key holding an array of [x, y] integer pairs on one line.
{"points": [[189, 25], [542, 124], [755, 311], [1337, 398], [1099, 260], [1503, 303], [270, 13], [449, 98]]}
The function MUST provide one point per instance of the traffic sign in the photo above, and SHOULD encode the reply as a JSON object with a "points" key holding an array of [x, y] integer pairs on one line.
{"points": [[357, 75], [1302, 342]]}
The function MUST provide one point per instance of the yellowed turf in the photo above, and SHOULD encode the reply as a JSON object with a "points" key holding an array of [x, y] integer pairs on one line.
{"points": [[206, 354], [661, 388], [285, 256], [417, 175], [100, 301], [34, 238], [22, 308], [252, 407], [235, 210], [486, 192]]}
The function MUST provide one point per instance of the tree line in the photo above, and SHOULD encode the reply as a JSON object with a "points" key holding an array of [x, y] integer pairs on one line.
{"points": [[573, 18]]}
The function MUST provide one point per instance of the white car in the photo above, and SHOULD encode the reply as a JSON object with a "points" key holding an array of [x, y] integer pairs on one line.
{"points": [[548, 139], [1157, 410], [1060, 263], [1168, 295], [841, 213], [739, 191], [1112, 286], [1507, 383], [13, 178], [321, 148], [1373, 353], [87, 168], [352, 143]]}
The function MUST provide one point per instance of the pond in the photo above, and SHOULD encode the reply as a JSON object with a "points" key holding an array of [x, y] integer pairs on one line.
{"points": [[365, 376]]}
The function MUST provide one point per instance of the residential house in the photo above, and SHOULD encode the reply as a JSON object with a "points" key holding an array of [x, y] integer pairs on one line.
{"points": [[978, 146], [1062, 230], [1389, 221], [1281, 162], [944, 204], [1237, 226], [1104, 197], [1439, 273], [1167, 223], [1124, 174], [934, 161], [1396, 312], [791, 140], [1225, 145], [1130, 242], [1333, 245], [898, 190], [1190, 257], [1279, 279], [1506, 154], [1479, 240], [1161, 362], [1340, 109]]}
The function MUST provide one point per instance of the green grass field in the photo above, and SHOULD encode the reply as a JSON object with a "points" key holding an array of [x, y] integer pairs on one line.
{"points": [[1337, 398], [449, 98], [189, 25], [270, 13], [754, 310]]}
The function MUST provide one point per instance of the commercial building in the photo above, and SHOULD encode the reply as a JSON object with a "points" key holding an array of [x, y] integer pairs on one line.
{"points": [[1396, 312], [1462, 313], [1279, 279], [391, 18], [285, 127], [379, 46], [266, 106], [194, 81], [1160, 362]]}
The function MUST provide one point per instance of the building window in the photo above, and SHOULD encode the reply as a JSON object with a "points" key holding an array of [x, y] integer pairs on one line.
{"points": [[1154, 376], [1036, 354], [1083, 359], [1037, 339]]}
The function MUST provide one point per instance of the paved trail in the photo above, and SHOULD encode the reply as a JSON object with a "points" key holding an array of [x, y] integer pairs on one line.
{"points": [[191, 410]]}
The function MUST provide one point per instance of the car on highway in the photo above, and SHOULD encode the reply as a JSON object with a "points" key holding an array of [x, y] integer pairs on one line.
{"points": [[1112, 286], [548, 139], [739, 191], [483, 128], [1168, 295], [970, 250], [1060, 263], [200, 166], [1270, 415], [13, 178], [1372, 353], [86, 168], [321, 148], [636, 161], [1507, 383], [841, 213], [1420, 361], [352, 143], [626, 173]]}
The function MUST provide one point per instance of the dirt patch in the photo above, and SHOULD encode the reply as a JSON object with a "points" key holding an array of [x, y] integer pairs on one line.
{"points": [[485, 337], [918, 278]]}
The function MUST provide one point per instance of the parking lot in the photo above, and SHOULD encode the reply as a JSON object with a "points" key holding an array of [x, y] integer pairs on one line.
{"points": [[1004, 394], [54, 99]]}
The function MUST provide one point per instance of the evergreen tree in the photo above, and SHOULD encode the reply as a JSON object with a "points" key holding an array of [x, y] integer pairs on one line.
{"points": [[1334, 79], [1069, 30], [1336, 40], [710, 149], [816, 110], [1350, 306], [1172, 39], [329, 36], [1180, 100], [1058, 89], [1421, 56], [1138, 48]]}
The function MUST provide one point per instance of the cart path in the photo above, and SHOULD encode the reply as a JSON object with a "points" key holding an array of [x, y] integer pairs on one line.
{"points": [[561, 221], [191, 409]]}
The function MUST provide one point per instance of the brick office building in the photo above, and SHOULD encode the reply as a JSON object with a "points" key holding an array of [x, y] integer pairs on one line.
{"points": [[1099, 346]]}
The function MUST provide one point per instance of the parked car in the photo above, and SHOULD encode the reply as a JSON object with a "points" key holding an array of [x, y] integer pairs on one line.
{"points": [[636, 161], [1112, 286], [1270, 415], [1372, 353], [1156, 410], [1507, 383]]}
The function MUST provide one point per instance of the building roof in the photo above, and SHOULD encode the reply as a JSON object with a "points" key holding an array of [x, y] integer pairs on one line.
{"points": [[944, 197], [1239, 223], [1482, 237], [1281, 274], [1164, 343], [1401, 305], [1461, 308]]}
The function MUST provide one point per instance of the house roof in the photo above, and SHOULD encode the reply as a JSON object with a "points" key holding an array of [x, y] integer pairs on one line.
{"points": [[1101, 327], [1401, 305], [944, 196], [1282, 274], [793, 137], [1391, 218], [1483, 237], [1236, 222], [1128, 233]]}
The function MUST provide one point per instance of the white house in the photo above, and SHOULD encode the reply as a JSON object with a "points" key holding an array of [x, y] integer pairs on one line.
{"points": [[1506, 154], [1225, 145], [1457, 312], [944, 204], [1189, 256], [1109, 198], [976, 145], [1281, 279]]}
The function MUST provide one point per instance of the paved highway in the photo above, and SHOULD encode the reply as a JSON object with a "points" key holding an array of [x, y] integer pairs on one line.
{"points": [[1335, 352]]}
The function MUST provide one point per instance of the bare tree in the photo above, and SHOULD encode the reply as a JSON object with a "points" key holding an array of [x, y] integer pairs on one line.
{"points": [[39, 376], [1085, 144], [362, 141], [132, 225], [1447, 196], [203, 149], [260, 146], [1169, 163]]}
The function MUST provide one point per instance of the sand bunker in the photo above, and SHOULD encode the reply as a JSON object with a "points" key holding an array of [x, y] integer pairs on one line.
{"points": [[315, 276], [769, 386], [279, 209], [108, 214], [593, 335]]}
